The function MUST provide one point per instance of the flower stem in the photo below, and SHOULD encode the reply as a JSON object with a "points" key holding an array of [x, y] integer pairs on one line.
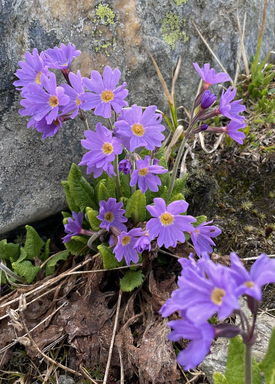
{"points": [[248, 364], [84, 119], [117, 178]]}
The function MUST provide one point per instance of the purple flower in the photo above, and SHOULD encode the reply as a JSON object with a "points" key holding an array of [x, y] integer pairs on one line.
{"points": [[125, 246], [232, 129], [209, 76], [48, 101], [74, 91], [231, 110], [61, 58], [73, 228], [167, 223], [111, 214], [48, 130], [201, 297], [145, 176], [31, 70], [201, 335], [141, 129], [125, 166], [207, 99], [156, 161], [105, 96], [143, 243], [103, 148], [201, 237], [262, 272]]}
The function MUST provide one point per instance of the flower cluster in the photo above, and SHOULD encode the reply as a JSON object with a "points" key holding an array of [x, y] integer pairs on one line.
{"points": [[205, 289]]}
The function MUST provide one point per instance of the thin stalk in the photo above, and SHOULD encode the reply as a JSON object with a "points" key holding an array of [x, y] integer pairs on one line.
{"points": [[117, 178], [255, 62], [84, 119], [248, 364], [110, 122], [133, 189]]}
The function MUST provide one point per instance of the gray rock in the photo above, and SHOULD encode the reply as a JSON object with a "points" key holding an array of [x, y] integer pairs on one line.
{"points": [[216, 360], [32, 168], [63, 379]]}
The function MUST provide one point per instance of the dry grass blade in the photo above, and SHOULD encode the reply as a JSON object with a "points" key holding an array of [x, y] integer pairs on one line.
{"points": [[174, 78], [239, 54], [210, 50], [242, 43], [104, 270], [86, 374], [167, 93], [175, 138], [215, 145]]}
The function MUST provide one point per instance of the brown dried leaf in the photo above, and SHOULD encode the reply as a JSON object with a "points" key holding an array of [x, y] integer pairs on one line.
{"points": [[161, 291]]}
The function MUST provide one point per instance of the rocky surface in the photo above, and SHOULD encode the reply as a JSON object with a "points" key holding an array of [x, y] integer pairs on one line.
{"points": [[114, 33]]}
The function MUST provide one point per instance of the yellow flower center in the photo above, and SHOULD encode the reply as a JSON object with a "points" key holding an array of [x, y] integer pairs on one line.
{"points": [[107, 96], [78, 101], [107, 148], [109, 217], [217, 295], [143, 171], [37, 79], [53, 101], [166, 218], [125, 240], [249, 284], [138, 129]]}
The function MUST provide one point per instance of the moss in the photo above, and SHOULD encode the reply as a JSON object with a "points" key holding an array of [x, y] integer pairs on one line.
{"points": [[172, 29], [103, 11], [179, 2]]}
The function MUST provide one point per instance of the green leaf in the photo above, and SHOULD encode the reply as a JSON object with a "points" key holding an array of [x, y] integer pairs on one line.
{"points": [[179, 185], [179, 196], [131, 280], [23, 255], [9, 251], [46, 252], [136, 207], [81, 191], [50, 266], [71, 203], [33, 243], [81, 238], [125, 184], [111, 187], [164, 195], [108, 257], [74, 247], [3, 278], [26, 269], [160, 153], [102, 192], [144, 152], [92, 218], [200, 219], [219, 378], [267, 365], [66, 215], [234, 372]]}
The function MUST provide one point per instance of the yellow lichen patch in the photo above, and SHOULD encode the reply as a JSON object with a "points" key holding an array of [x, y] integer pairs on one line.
{"points": [[109, 217], [143, 171], [107, 96], [249, 284], [217, 295], [37, 79], [107, 148], [166, 219], [125, 240], [138, 130], [53, 101]]}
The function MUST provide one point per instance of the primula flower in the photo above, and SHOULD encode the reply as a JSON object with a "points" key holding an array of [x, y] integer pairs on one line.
{"points": [[61, 58], [201, 297], [231, 110], [48, 130], [48, 101], [209, 75], [232, 129], [145, 176], [167, 223], [125, 166], [140, 129], [207, 99], [262, 272], [111, 214], [125, 246], [201, 335], [201, 237], [143, 243], [74, 91], [31, 70], [73, 228], [103, 148], [105, 94]]}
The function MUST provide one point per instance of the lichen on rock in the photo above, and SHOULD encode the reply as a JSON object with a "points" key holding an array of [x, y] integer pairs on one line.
{"points": [[172, 29]]}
